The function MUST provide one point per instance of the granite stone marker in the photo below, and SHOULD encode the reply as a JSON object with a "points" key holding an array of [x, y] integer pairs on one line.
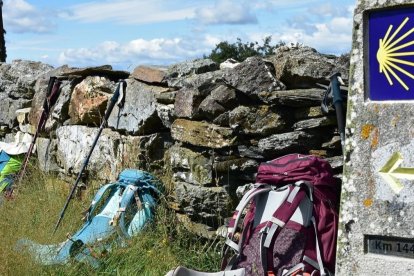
{"points": [[376, 233]]}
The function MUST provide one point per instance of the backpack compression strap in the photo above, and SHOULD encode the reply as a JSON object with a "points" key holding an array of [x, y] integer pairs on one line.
{"points": [[143, 200], [279, 219]]}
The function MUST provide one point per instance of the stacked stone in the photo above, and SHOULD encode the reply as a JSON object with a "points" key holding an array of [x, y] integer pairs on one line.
{"points": [[229, 120], [202, 126]]}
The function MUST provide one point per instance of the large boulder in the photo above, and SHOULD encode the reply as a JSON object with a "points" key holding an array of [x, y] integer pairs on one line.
{"points": [[166, 114], [303, 67], [139, 114], [202, 134], [255, 78], [144, 152], [187, 102], [89, 100]]}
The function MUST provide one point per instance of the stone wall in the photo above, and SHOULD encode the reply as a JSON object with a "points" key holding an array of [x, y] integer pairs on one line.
{"points": [[202, 127]]}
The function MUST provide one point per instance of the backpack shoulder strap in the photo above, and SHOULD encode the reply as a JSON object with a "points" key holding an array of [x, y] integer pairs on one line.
{"points": [[232, 226], [98, 198], [282, 215], [286, 210]]}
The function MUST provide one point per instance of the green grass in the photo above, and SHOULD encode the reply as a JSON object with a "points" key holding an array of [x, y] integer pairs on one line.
{"points": [[163, 245]]}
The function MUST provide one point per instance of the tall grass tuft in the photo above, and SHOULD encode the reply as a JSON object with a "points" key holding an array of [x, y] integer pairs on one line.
{"points": [[161, 246]]}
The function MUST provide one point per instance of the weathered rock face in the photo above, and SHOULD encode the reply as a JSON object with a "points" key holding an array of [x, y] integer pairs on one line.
{"points": [[302, 67], [191, 67], [220, 99], [202, 134], [112, 153], [298, 97], [205, 204], [62, 102], [254, 78], [60, 111], [187, 101], [74, 143], [89, 100], [279, 144], [8, 107], [18, 79], [46, 155], [139, 113], [189, 166], [259, 121], [17, 87]]}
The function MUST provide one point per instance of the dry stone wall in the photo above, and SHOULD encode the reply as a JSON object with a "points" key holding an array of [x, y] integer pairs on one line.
{"points": [[202, 129]]}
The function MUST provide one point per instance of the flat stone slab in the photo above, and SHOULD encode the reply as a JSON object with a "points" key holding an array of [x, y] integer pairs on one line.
{"points": [[298, 97], [202, 134], [104, 71], [149, 74]]}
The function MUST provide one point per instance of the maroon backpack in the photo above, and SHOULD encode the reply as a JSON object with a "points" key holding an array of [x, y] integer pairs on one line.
{"points": [[290, 220]]}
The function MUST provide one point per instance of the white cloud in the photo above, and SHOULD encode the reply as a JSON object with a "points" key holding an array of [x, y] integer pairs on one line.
{"points": [[160, 51], [333, 36], [129, 11], [227, 12], [22, 17]]}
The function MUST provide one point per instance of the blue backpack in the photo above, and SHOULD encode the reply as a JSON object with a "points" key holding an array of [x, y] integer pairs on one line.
{"points": [[119, 210]]}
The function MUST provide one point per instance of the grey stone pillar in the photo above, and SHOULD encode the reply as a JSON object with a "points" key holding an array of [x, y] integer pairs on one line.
{"points": [[376, 233]]}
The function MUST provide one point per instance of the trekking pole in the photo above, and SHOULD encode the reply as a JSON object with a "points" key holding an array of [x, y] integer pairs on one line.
{"points": [[117, 98], [52, 95], [336, 81]]}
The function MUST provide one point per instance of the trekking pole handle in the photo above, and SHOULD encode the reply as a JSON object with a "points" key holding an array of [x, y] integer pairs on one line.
{"points": [[117, 98], [336, 88]]}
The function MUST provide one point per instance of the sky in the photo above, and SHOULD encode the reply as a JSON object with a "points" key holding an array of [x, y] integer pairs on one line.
{"points": [[128, 33]]}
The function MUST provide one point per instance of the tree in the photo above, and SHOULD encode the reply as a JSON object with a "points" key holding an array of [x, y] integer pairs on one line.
{"points": [[240, 51], [3, 54]]}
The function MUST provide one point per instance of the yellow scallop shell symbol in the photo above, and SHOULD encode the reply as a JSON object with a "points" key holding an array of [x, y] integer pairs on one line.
{"points": [[389, 57]]}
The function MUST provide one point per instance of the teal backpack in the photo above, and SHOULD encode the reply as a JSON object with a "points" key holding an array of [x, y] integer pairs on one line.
{"points": [[118, 211]]}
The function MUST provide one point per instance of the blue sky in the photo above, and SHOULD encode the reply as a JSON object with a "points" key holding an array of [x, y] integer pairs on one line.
{"points": [[127, 33]]}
